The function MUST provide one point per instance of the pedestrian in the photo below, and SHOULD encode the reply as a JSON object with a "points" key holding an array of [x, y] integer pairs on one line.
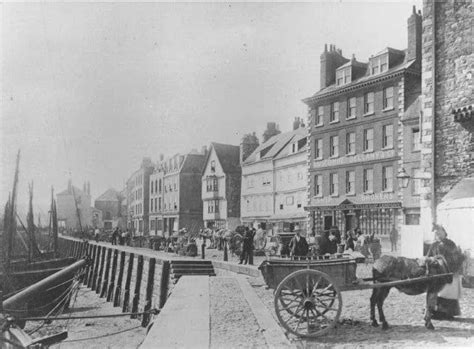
{"points": [[298, 245], [350, 241], [123, 237], [393, 238], [97, 234], [447, 302], [115, 236], [253, 231]]}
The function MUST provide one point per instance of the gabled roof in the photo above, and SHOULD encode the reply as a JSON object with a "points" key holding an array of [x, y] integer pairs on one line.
{"points": [[77, 191], [228, 155], [109, 195], [193, 163], [274, 145]]}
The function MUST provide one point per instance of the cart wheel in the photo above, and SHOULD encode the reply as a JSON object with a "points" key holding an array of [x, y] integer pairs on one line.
{"points": [[308, 303]]}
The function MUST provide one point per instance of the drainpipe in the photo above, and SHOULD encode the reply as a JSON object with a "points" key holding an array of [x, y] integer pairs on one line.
{"points": [[433, 122]]}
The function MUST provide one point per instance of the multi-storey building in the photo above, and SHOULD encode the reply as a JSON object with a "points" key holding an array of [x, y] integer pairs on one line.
{"points": [[74, 207], [221, 187], [138, 198], [177, 201], [156, 198], [362, 122], [274, 182]]}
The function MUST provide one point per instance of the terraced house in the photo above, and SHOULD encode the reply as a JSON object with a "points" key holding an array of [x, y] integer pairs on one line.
{"points": [[274, 182], [363, 129]]}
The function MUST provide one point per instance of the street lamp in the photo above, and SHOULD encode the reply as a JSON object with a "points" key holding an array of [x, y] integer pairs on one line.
{"points": [[403, 178]]}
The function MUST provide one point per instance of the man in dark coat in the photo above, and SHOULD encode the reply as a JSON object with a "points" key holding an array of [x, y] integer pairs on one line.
{"points": [[298, 245]]}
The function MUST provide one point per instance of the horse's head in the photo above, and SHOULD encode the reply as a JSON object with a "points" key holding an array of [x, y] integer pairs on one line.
{"points": [[438, 265]]}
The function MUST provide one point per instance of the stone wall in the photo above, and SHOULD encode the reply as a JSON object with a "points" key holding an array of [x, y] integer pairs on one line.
{"points": [[447, 26]]}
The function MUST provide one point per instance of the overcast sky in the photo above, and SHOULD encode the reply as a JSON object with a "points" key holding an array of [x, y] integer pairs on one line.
{"points": [[89, 89]]}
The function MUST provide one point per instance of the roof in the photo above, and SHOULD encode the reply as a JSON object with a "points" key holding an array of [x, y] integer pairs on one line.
{"points": [[274, 145], [77, 191], [464, 189], [228, 155], [109, 195], [299, 134], [192, 163], [355, 83]]}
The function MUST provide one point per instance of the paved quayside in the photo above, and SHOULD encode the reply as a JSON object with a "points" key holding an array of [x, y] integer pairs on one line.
{"points": [[214, 312]]}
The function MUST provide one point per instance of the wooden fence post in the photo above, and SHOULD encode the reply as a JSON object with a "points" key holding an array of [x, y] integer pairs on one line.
{"points": [[96, 267], [101, 270], [149, 291], [118, 289], [92, 266], [164, 282], [103, 290], [138, 283], [128, 280], [110, 292], [89, 265]]}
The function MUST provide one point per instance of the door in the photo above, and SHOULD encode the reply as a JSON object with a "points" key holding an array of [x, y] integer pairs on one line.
{"points": [[327, 222]]}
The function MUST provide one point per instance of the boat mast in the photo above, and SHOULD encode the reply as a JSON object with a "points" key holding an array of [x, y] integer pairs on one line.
{"points": [[54, 223], [12, 216], [33, 250]]}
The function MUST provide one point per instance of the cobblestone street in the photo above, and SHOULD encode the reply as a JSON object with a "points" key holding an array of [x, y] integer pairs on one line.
{"points": [[404, 315]]}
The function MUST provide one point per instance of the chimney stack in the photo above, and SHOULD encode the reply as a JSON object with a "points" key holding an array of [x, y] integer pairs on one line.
{"points": [[69, 186], [88, 188], [296, 123], [414, 28], [204, 150], [272, 130], [330, 61]]}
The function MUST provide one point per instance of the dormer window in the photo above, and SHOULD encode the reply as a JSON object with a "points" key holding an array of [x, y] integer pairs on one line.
{"points": [[379, 64], [343, 76]]}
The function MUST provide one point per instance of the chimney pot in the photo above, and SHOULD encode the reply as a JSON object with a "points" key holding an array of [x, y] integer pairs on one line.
{"points": [[325, 47]]}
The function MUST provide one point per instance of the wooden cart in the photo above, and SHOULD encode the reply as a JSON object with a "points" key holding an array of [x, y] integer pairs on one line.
{"points": [[307, 296]]}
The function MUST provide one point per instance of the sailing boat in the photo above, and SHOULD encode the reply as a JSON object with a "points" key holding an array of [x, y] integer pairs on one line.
{"points": [[25, 269]]}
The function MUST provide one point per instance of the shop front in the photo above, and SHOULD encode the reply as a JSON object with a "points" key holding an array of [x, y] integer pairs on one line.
{"points": [[288, 223], [372, 218]]}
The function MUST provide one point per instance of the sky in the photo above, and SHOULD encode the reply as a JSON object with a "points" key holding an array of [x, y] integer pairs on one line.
{"points": [[89, 89]]}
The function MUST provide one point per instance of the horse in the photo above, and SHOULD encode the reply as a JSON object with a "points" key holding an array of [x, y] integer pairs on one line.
{"points": [[389, 268]]}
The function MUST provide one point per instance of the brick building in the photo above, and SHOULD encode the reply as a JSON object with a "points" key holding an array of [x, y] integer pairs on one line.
{"points": [[448, 104], [138, 198], [177, 201], [363, 129], [221, 187]]}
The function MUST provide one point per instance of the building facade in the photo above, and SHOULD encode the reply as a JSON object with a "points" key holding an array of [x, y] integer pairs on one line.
{"points": [[448, 103], [74, 207], [357, 124], [274, 183], [177, 201], [221, 187], [110, 205], [138, 199]]}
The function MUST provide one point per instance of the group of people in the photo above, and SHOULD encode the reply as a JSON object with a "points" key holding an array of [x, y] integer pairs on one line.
{"points": [[120, 237]]}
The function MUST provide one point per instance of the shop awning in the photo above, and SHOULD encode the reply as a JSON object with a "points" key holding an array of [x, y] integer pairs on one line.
{"points": [[353, 204], [295, 216]]}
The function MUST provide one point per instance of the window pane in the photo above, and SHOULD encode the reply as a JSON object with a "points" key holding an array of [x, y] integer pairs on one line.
{"points": [[369, 103], [387, 137], [415, 139], [388, 98]]}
